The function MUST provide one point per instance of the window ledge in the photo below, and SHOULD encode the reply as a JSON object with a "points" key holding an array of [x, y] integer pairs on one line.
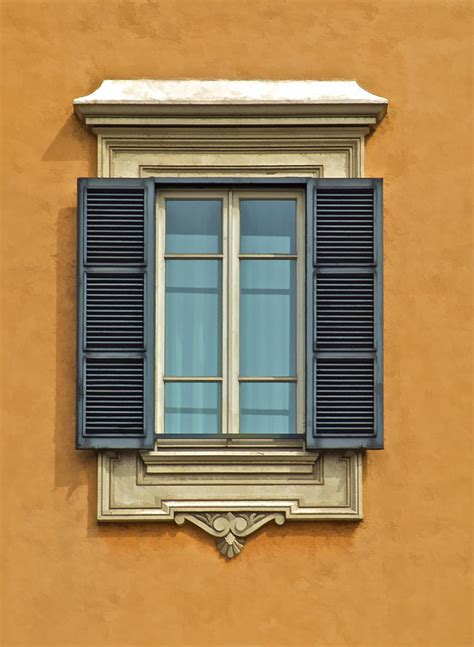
{"points": [[229, 495], [229, 459]]}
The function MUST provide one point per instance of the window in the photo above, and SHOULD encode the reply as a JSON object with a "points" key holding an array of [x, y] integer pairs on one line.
{"points": [[230, 300], [266, 295], [214, 140]]}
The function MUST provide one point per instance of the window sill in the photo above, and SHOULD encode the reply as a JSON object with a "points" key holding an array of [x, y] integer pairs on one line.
{"points": [[229, 492], [229, 459]]}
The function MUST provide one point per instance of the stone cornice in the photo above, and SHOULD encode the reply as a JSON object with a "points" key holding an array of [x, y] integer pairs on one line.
{"points": [[153, 102]]}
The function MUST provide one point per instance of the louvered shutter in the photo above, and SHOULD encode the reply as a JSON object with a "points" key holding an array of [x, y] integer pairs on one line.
{"points": [[116, 291], [345, 369]]}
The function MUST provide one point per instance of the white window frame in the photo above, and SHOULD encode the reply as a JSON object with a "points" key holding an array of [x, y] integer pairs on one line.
{"points": [[230, 256]]}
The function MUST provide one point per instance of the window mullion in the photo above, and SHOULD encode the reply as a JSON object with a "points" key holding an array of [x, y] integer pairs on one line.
{"points": [[225, 314], [233, 301]]}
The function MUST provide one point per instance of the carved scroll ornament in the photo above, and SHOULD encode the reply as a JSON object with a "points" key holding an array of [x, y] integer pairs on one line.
{"points": [[230, 528]]}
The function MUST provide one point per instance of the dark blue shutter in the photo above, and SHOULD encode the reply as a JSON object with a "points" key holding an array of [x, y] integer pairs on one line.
{"points": [[116, 296], [345, 332]]}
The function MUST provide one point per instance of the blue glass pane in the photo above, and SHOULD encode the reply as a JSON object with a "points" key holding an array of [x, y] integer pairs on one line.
{"points": [[268, 226], [193, 226], [193, 312], [267, 408], [192, 408], [267, 318]]}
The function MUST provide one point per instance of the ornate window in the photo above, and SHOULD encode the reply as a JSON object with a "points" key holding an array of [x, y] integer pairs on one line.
{"points": [[230, 345]]}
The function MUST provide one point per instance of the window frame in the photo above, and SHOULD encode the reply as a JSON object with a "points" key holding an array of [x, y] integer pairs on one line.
{"points": [[230, 191]]}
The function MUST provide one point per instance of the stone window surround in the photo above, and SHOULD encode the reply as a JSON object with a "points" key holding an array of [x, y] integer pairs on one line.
{"points": [[145, 128]]}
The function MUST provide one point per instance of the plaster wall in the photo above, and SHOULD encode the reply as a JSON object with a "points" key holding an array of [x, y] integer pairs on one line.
{"points": [[400, 577]]}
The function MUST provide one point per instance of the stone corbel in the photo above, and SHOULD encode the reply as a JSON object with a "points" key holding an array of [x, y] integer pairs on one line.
{"points": [[230, 529]]}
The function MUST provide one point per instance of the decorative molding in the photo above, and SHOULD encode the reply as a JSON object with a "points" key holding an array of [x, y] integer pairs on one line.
{"points": [[178, 152], [230, 529], [232, 170], [330, 489], [232, 464], [230, 488], [153, 102], [236, 503]]}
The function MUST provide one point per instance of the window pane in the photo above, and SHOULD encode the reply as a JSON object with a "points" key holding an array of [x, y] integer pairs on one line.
{"points": [[267, 318], [192, 408], [268, 226], [193, 310], [193, 226], [267, 408]]}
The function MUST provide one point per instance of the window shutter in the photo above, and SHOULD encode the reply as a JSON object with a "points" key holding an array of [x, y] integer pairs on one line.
{"points": [[345, 369], [116, 295]]}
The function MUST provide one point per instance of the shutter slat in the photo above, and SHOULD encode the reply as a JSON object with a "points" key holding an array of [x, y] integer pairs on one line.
{"points": [[106, 296], [116, 306], [334, 408], [341, 244], [345, 374], [347, 295], [124, 214]]}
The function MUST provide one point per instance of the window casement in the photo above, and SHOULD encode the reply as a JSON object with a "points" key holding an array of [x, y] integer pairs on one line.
{"points": [[220, 307], [230, 313]]}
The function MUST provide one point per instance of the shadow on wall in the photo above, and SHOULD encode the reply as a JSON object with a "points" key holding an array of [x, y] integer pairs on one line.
{"points": [[73, 143]]}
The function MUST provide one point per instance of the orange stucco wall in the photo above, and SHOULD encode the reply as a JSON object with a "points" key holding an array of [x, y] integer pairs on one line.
{"points": [[400, 577]]}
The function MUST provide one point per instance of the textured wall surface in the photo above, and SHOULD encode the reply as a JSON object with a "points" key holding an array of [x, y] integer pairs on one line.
{"points": [[402, 576]]}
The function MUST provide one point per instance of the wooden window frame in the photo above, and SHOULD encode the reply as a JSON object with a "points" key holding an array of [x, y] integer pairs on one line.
{"points": [[231, 256]]}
